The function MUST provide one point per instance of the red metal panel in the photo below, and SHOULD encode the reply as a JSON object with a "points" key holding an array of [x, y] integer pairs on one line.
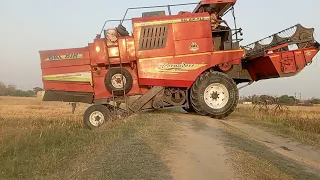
{"points": [[192, 30], [182, 71], [151, 72], [113, 52], [232, 56], [127, 49], [166, 82], [65, 70], [98, 52], [100, 90], [65, 86], [185, 46], [167, 51], [300, 60], [310, 53], [45, 54], [263, 68], [93, 54], [288, 64], [63, 63], [123, 49], [281, 64]]}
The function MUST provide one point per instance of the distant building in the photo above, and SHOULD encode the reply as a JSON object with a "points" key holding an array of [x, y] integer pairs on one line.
{"points": [[40, 94]]}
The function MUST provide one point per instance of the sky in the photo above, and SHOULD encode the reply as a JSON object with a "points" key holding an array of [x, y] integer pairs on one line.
{"points": [[27, 27]]}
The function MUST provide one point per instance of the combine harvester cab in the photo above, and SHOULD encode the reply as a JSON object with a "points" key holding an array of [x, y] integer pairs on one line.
{"points": [[283, 54]]}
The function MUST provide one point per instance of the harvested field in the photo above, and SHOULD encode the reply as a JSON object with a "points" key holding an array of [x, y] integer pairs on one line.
{"points": [[43, 140], [302, 123]]}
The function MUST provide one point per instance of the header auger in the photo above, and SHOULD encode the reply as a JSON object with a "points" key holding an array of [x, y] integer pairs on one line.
{"points": [[162, 65]]}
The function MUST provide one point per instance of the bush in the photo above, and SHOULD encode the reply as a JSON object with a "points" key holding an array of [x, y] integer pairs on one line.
{"points": [[11, 90]]}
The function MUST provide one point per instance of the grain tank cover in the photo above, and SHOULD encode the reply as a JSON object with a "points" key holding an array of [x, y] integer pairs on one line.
{"points": [[220, 6]]}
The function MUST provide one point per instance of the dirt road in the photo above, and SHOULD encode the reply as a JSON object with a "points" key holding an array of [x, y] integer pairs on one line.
{"points": [[199, 153], [211, 149]]}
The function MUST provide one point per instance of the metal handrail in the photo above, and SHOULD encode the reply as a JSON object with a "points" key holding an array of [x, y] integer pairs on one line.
{"points": [[147, 7], [104, 25], [150, 7]]}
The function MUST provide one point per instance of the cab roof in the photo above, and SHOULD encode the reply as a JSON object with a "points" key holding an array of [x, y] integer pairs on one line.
{"points": [[221, 6]]}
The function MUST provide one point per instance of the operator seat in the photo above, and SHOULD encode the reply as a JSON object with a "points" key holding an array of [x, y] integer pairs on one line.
{"points": [[122, 30]]}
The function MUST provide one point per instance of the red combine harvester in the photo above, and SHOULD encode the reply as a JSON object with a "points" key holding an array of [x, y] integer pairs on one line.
{"points": [[188, 60]]}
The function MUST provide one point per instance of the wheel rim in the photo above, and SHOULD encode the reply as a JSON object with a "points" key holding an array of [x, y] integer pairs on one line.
{"points": [[117, 82], [216, 96], [96, 118]]}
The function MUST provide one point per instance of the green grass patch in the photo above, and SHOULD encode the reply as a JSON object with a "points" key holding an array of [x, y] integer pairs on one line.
{"points": [[64, 149]]}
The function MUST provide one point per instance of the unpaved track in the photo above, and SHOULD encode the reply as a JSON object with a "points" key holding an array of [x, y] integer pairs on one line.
{"points": [[199, 153], [306, 155]]}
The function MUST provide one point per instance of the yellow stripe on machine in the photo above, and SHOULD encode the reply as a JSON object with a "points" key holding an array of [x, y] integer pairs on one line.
{"points": [[171, 21], [84, 77]]}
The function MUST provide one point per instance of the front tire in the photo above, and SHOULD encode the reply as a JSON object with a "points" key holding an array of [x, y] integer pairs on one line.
{"points": [[95, 116], [214, 94]]}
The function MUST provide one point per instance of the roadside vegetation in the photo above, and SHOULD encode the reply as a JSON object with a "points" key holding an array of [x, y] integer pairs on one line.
{"points": [[301, 123], [45, 141], [12, 90]]}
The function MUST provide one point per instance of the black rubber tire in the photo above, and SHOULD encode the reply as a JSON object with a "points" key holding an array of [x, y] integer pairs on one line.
{"points": [[127, 86], [190, 108], [199, 87], [100, 108]]}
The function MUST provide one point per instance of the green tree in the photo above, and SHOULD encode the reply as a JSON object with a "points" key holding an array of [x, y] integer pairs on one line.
{"points": [[3, 89], [37, 89], [11, 90], [315, 101], [288, 100]]}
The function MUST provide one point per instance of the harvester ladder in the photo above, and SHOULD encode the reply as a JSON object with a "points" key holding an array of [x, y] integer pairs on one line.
{"points": [[124, 97]]}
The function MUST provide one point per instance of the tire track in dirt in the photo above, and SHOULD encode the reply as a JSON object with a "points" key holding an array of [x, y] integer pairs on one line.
{"points": [[199, 154], [306, 155]]}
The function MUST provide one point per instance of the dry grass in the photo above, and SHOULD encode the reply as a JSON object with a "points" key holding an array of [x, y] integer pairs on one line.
{"points": [[302, 123], [252, 160], [43, 140]]}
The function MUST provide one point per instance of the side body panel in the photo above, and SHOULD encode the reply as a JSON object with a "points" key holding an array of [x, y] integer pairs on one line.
{"points": [[67, 70], [182, 71], [281, 64], [188, 51]]}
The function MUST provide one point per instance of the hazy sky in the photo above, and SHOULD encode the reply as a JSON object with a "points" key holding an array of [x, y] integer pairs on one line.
{"points": [[28, 26]]}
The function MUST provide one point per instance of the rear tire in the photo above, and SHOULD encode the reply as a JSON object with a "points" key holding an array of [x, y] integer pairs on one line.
{"points": [[95, 116], [214, 94]]}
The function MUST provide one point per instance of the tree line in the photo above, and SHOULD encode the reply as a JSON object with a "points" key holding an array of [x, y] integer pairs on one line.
{"points": [[284, 99], [12, 90]]}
